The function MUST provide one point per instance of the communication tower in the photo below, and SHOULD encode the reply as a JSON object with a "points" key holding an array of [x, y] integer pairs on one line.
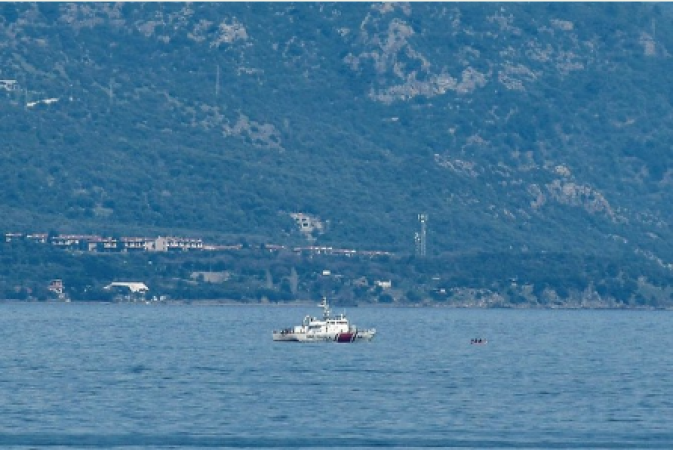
{"points": [[421, 237]]}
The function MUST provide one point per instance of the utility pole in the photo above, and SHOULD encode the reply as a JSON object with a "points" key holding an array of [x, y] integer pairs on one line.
{"points": [[111, 93], [217, 82]]}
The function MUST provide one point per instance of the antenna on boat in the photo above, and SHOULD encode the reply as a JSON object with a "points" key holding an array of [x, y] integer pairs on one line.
{"points": [[325, 308]]}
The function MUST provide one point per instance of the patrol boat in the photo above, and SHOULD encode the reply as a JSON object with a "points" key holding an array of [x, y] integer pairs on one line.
{"points": [[328, 329]]}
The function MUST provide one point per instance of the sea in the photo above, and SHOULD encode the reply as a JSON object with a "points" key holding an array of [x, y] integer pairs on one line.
{"points": [[136, 376]]}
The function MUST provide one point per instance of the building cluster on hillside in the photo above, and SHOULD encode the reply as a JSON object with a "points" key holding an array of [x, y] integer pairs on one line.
{"points": [[95, 243], [317, 250]]}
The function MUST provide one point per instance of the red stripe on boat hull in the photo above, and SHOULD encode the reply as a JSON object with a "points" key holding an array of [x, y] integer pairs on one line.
{"points": [[345, 337]]}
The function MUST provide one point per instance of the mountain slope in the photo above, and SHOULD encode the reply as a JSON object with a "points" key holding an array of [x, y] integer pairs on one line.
{"points": [[534, 127]]}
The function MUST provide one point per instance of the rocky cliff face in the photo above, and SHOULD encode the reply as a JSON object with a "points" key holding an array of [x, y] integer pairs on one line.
{"points": [[514, 126]]}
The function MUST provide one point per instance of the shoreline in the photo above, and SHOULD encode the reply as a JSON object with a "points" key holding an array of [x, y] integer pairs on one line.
{"points": [[310, 304]]}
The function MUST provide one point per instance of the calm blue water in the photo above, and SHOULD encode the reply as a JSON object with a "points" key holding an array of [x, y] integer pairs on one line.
{"points": [[137, 376]]}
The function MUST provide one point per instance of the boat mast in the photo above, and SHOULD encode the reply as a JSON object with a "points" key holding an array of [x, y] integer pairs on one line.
{"points": [[325, 308]]}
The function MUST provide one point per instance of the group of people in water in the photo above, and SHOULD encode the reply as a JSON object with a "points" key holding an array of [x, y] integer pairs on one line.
{"points": [[478, 341]]}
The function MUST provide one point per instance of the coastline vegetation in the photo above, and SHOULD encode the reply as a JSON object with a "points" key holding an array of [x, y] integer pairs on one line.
{"points": [[254, 274]]}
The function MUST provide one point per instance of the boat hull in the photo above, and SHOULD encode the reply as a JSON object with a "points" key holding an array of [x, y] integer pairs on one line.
{"points": [[340, 338]]}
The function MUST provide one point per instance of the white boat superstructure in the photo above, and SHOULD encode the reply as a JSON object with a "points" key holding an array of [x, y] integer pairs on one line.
{"points": [[328, 329]]}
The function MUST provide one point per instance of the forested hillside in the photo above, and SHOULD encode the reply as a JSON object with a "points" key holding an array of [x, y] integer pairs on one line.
{"points": [[520, 129]]}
